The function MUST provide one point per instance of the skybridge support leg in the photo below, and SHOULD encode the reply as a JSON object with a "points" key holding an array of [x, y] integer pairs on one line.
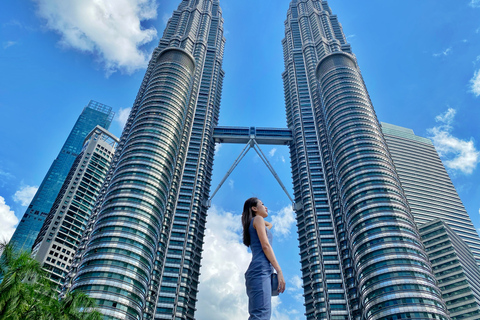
{"points": [[252, 144], [235, 164], [262, 156]]}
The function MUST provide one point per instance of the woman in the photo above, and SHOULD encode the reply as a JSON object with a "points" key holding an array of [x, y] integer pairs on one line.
{"points": [[257, 236]]}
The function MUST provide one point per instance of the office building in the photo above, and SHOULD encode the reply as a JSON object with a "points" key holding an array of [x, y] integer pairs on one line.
{"points": [[61, 233], [142, 258], [27, 230], [455, 268], [427, 185], [361, 252]]}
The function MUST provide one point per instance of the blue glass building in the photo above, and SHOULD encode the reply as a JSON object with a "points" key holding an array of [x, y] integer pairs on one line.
{"points": [[62, 230], [27, 230]]}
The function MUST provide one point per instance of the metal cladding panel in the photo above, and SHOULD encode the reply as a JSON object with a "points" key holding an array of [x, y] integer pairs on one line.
{"points": [[165, 150], [427, 185], [139, 186], [350, 195], [374, 207]]}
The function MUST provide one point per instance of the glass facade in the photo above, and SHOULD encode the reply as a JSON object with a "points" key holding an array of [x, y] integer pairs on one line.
{"points": [[455, 268], [360, 249], [429, 190], [61, 233], [140, 257], [27, 230], [361, 253]]}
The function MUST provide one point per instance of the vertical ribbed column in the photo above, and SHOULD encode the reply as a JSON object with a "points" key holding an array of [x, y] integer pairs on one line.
{"points": [[311, 32], [393, 275], [120, 255], [179, 269]]}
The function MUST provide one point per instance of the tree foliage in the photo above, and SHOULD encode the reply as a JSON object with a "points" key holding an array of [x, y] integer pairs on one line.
{"points": [[26, 293]]}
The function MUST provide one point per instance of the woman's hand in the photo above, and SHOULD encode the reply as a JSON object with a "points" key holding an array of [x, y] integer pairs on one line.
{"points": [[281, 282]]}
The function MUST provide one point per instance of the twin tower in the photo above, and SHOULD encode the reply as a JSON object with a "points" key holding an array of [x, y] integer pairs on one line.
{"points": [[362, 256]]}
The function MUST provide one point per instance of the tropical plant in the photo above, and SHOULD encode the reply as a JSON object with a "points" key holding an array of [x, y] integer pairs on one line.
{"points": [[26, 293], [78, 306]]}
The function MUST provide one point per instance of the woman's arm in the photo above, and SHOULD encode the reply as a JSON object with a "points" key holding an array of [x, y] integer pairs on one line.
{"points": [[259, 225], [268, 225]]}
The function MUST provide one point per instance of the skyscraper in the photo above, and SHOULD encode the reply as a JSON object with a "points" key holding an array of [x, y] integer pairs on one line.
{"points": [[141, 258], [429, 190], [455, 268], [61, 233], [361, 253], [27, 230]]}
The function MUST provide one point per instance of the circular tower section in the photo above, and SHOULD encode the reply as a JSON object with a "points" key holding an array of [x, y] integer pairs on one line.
{"points": [[116, 268], [393, 275]]}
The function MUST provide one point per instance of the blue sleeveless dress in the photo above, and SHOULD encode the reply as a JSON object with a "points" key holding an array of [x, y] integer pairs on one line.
{"points": [[258, 279]]}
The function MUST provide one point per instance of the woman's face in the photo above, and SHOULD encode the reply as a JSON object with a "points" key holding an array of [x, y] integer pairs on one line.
{"points": [[260, 209]]}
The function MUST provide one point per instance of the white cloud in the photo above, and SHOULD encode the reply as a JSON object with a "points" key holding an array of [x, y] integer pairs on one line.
{"points": [[5, 176], [218, 146], [457, 154], [272, 152], [109, 29], [295, 288], [444, 53], [8, 221], [447, 117], [122, 116], [165, 18], [8, 44], [225, 259], [12, 23], [475, 83], [283, 159], [231, 183], [283, 221], [25, 195], [475, 3], [279, 313], [19, 25], [222, 292], [296, 282]]}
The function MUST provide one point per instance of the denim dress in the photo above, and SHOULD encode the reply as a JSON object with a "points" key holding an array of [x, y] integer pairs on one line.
{"points": [[258, 279]]}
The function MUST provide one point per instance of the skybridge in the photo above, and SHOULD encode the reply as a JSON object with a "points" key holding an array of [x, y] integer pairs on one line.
{"points": [[252, 137], [243, 135]]}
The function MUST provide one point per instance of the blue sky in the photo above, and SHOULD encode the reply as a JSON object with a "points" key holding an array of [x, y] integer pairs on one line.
{"points": [[420, 61]]}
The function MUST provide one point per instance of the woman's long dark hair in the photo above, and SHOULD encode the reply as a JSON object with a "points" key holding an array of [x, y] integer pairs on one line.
{"points": [[247, 216]]}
